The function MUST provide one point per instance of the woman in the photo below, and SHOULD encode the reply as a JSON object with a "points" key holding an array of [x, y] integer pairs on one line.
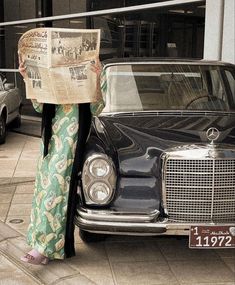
{"points": [[46, 232]]}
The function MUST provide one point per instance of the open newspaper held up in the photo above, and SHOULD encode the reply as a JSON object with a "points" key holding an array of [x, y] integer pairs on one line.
{"points": [[58, 64]]}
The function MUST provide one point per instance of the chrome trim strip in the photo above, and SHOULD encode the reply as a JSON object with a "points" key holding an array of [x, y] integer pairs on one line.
{"points": [[169, 112], [131, 228], [168, 62], [123, 227], [103, 12], [9, 70], [104, 215], [213, 189]]}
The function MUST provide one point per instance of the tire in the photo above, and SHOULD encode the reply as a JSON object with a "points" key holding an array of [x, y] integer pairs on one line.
{"points": [[88, 237], [2, 130]]}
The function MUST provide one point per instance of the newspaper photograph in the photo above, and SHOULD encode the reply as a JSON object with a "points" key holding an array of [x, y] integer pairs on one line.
{"points": [[58, 64]]}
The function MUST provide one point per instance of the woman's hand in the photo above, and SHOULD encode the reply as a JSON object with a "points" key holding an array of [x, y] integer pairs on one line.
{"points": [[96, 66], [22, 70]]}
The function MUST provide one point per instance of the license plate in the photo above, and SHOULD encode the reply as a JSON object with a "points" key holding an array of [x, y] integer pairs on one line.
{"points": [[212, 237]]}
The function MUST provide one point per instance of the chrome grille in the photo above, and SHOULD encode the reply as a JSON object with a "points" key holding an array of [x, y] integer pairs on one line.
{"points": [[200, 190]]}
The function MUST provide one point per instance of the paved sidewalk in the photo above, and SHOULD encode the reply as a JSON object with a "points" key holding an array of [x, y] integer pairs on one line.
{"points": [[117, 261]]}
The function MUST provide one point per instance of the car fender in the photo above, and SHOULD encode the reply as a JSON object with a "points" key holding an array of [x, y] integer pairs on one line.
{"points": [[3, 107]]}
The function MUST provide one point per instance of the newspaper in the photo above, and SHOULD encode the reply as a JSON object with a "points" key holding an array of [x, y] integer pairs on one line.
{"points": [[59, 64]]}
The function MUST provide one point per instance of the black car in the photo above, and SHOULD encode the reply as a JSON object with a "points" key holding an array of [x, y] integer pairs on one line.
{"points": [[160, 159]]}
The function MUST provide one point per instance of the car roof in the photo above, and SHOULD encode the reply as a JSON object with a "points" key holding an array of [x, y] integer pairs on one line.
{"points": [[158, 60]]}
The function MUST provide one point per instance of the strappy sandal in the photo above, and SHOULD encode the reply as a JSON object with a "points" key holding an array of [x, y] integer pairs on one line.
{"points": [[34, 257]]}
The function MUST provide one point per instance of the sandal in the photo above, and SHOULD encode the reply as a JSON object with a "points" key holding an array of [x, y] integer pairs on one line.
{"points": [[34, 257]]}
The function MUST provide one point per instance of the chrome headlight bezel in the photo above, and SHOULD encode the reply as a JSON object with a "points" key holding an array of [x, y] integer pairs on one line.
{"points": [[89, 177], [93, 167]]}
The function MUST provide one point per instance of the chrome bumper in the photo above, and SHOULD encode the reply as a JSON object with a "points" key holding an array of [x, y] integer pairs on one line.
{"points": [[110, 222]]}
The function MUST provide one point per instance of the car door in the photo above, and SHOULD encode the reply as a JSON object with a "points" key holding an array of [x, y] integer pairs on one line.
{"points": [[3, 95], [11, 99]]}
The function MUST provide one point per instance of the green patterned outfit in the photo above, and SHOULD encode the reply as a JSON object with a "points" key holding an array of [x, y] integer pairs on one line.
{"points": [[46, 231]]}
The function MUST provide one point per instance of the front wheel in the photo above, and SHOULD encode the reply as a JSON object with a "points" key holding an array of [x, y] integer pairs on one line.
{"points": [[88, 237], [2, 130]]}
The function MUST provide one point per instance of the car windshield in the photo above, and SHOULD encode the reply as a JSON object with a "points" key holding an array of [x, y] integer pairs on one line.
{"points": [[144, 87]]}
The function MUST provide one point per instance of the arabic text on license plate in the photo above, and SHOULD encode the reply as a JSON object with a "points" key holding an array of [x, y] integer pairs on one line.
{"points": [[212, 237]]}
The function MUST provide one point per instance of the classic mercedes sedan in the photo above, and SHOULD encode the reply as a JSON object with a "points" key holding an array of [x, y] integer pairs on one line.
{"points": [[160, 159], [10, 106]]}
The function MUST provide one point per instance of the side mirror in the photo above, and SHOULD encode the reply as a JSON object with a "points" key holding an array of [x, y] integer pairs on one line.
{"points": [[8, 86]]}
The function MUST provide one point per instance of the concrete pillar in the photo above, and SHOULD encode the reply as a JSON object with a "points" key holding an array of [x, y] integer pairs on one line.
{"points": [[228, 40], [213, 29], [2, 37]]}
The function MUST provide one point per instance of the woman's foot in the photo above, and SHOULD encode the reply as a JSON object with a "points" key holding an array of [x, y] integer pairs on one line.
{"points": [[34, 257]]}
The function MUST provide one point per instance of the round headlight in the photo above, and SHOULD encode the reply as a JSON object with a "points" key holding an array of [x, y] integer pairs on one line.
{"points": [[99, 192], [99, 167]]}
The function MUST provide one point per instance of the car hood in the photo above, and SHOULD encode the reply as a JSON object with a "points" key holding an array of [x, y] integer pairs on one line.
{"points": [[138, 140]]}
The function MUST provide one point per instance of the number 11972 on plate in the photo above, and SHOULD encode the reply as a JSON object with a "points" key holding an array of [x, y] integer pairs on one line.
{"points": [[212, 237]]}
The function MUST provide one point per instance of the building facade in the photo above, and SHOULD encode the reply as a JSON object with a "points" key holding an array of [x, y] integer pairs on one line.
{"points": [[143, 28]]}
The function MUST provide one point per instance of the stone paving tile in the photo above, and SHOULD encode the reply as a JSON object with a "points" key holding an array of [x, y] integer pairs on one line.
{"points": [[5, 180], [25, 189], [79, 279], [25, 167], [91, 252], [10, 155], [13, 222], [24, 180], [228, 256], [20, 210], [210, 283], [13, 145], [230, 262], [206, 271], [6, 189], [22, 231], [11, 275], [177, 249], [226, 252], [98, 272], [134, 251], [6, 232], [7, 168], [4, 209], [139, 273], [2, 219], [32, 144], [52, 272], [15, 247], [5, 197], [22, 198], [31, 154]]}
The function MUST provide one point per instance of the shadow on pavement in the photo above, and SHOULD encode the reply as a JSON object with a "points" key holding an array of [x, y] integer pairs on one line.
{"points": [[29, 127]]}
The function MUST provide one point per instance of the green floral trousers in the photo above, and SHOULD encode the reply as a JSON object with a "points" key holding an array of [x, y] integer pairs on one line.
{"points": [[46, 231]]}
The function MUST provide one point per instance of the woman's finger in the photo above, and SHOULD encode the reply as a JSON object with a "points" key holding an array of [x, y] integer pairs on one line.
{"points": [[96, 66], [22, 69]]}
